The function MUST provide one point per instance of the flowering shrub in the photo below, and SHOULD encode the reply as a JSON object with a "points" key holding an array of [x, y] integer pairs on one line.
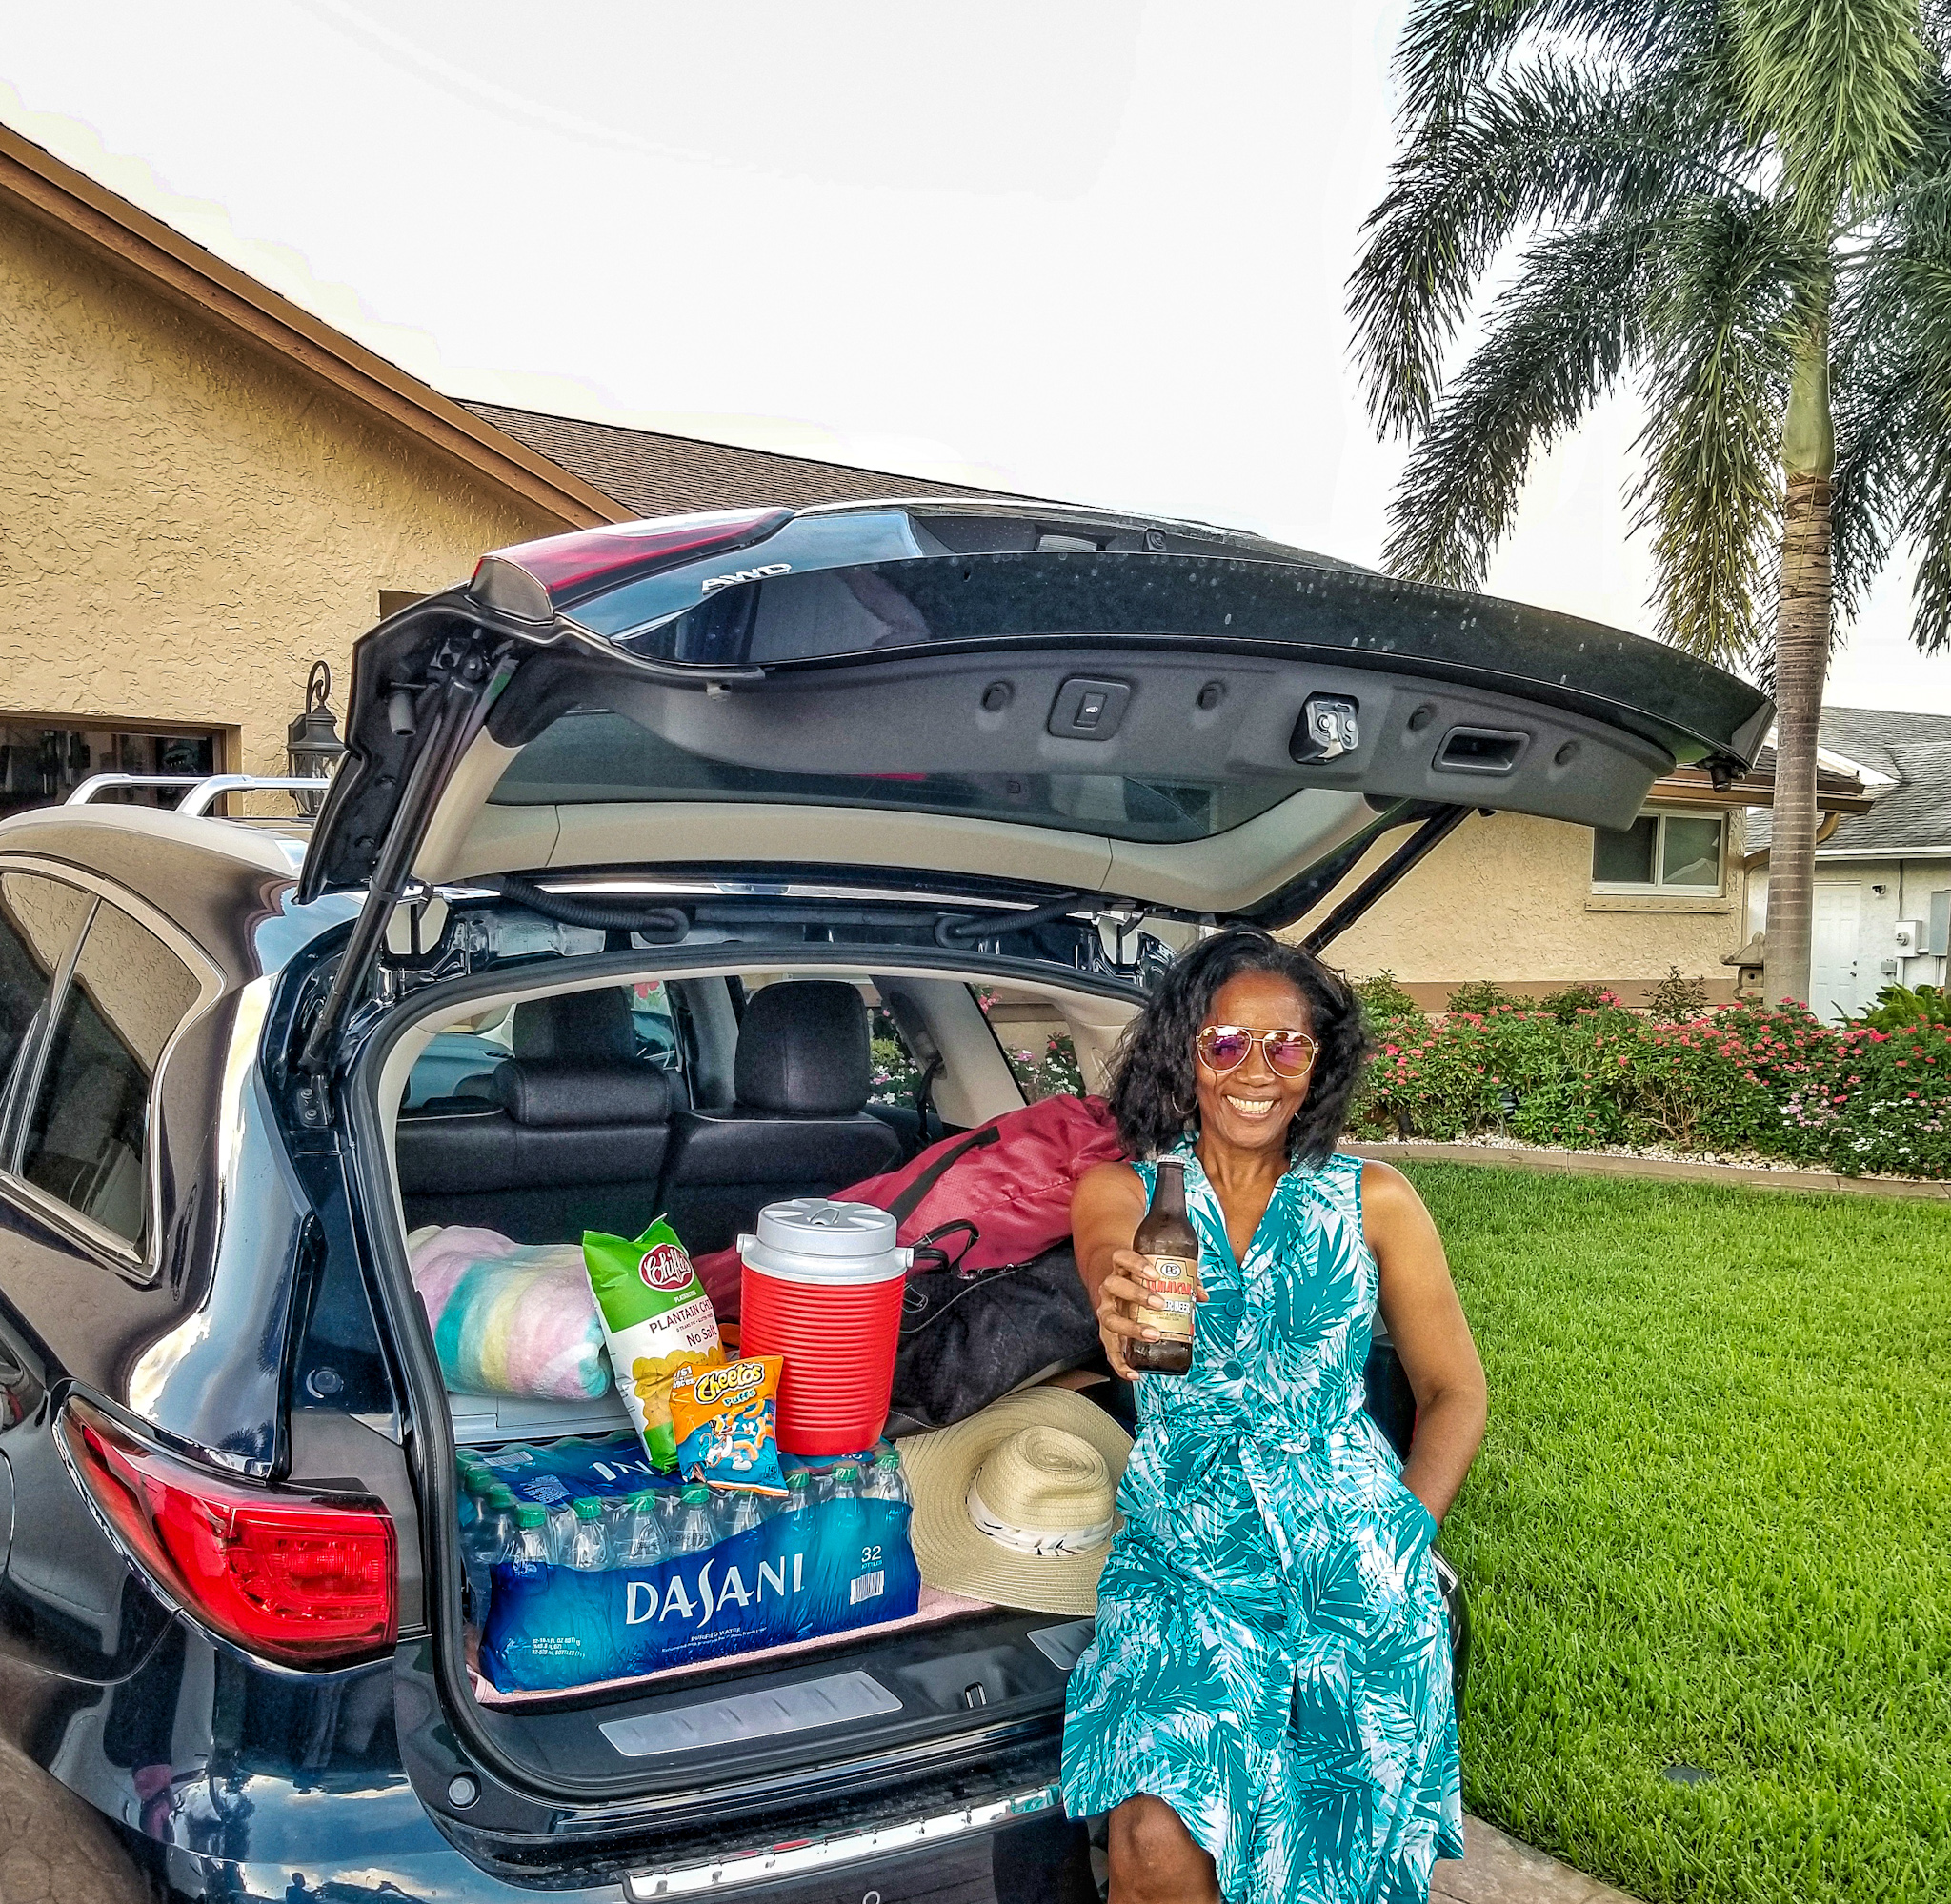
{"points": [[1768, 1079]]}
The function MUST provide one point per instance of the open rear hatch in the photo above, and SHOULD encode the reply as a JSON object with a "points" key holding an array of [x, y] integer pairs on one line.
{"points": [[1082, 712]]}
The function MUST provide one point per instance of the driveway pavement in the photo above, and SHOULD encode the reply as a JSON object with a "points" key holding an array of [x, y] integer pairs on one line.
{"points": [[1497, 1870]]}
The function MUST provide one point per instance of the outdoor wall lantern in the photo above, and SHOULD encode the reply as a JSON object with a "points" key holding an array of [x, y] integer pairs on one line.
{"points": [[313, 742]]}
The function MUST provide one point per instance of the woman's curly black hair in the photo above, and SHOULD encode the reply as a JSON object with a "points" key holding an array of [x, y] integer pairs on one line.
{"points": [[1153, 1094]]}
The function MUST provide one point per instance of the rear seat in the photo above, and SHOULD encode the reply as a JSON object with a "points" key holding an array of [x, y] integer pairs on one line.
{"points": [[570, 1133], [801, 1076]]}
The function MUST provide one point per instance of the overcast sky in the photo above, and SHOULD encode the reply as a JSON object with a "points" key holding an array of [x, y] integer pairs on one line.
{"points": [[1082, 249]]}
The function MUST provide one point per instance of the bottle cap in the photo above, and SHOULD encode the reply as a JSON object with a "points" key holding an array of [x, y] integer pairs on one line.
{"points": [[891, 1459], [529, 1515], [799, 1480], [696, 1494], [479, 1481], [501, 1495], [847, 1471], [644, 1498], [588, 1508]]}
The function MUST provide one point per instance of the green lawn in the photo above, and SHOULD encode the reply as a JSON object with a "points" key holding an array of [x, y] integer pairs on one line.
{"points": [[1711, 1526]]}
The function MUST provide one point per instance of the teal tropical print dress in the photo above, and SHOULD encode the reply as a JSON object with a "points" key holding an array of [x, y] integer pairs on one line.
{"points": [[1272, 1655]]}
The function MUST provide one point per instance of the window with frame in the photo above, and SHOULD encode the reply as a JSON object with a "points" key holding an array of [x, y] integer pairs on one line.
{"points": [[39, 919], [87, 1138], [1678, 853]]}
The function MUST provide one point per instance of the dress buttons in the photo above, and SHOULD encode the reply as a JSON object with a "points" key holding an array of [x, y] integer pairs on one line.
{"points": [[1232, 1372]]}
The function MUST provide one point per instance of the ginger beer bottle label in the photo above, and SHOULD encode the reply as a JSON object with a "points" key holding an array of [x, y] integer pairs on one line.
{"points": [[1175, 1282]]}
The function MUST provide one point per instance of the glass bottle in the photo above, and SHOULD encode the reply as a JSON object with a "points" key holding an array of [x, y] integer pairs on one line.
{"points": [[588, 1550], [695, 1532], [1170, 1246]]}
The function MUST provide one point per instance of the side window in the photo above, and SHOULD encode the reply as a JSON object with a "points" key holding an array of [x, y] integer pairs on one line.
{"points": [[38, 921], [85, 1138], [652, 1014], [896, 1075]]}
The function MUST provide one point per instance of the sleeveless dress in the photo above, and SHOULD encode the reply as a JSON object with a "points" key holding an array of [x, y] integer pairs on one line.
{"points": [[1272, 1655]]}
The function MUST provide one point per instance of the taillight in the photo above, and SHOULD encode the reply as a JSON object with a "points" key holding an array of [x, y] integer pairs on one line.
{"points": [[533, 579], [296, 1579]]}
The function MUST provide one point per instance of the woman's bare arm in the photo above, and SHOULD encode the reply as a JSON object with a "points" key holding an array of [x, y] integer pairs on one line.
{"points": [[1106, 1209], [1427, 1325]]}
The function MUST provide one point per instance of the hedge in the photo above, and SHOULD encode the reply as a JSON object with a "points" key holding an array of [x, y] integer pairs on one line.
{"points": [[1770, 1080]]}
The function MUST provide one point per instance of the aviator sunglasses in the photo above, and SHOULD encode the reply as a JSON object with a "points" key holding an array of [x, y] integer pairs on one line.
{"points": [[1223, 1047]]}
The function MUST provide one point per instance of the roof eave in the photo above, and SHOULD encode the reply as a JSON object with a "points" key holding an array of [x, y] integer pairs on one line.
{"points": [[55, 195]]}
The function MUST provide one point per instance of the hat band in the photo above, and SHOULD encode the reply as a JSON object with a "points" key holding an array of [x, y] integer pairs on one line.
{"points": [[1051, 1544]]}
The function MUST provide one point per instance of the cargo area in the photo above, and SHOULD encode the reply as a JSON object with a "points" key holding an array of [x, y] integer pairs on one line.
{"points": [[534, 1116]]}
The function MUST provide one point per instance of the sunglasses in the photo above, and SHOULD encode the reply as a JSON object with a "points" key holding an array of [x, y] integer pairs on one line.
{"points": [[1224, 1048]]}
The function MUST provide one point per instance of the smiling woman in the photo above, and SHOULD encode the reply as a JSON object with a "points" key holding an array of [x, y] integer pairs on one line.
{"points": [[1266, 1711]]}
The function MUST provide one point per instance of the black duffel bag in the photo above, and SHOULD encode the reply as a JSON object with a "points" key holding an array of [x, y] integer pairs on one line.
{"points": [[967, 1339]]}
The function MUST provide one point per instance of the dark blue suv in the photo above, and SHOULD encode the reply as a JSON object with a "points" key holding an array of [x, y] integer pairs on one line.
{"points": [[978, 768]]}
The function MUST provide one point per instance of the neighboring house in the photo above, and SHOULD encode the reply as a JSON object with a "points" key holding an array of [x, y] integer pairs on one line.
{"points": [[204, 488], [1882, 902], [1537, 905]]}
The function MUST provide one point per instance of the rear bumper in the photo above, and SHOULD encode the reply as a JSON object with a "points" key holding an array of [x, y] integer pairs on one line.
{"points": [[1039, 1859]]}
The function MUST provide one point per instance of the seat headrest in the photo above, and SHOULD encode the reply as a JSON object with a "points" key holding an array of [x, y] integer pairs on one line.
{"points": [[803, 1047], [584, 1025], [564, 1092]]}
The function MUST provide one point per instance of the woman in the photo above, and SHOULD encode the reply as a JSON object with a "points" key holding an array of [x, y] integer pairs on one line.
{"points": [[1266, 1711]]}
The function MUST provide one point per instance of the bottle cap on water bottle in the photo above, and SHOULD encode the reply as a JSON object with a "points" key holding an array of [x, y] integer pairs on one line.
{"points": [[846, 1472], [477, 1482], [530, 1514], [588, 1508], [891, 1460], [644, 1498], [696, 1494], [501, 1495], [799, 1480]]}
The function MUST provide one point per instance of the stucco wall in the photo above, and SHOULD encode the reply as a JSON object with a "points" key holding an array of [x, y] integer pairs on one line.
{"points": [[186, 522], [1510, 898]]}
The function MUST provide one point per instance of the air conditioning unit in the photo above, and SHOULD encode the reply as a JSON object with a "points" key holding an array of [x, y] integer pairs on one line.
{"points": [[1910, 939]]}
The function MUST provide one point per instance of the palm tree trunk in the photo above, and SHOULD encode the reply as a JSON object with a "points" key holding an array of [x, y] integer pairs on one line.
{"points": [[1801, 664]]}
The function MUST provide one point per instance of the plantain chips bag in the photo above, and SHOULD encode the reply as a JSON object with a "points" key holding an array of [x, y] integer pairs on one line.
{"points": [[658, 1322]]}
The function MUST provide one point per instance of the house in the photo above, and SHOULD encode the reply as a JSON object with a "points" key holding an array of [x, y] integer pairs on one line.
{"points": [[1538, 905], [205, 487], [1883, 899]]}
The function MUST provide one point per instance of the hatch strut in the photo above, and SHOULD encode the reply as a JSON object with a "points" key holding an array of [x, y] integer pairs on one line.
{"points": [[1419, 844], [466, 676]]}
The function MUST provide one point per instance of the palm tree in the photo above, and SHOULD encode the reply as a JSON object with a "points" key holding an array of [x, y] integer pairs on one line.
{"points": [[1743, 205]]}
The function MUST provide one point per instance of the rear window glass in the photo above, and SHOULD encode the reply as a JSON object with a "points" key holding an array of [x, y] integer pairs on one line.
{"points": [[38, 921], [86, 1140], [591, 757]]}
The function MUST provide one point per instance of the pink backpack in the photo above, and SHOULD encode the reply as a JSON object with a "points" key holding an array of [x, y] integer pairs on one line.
{"points": [[991, 1196]]}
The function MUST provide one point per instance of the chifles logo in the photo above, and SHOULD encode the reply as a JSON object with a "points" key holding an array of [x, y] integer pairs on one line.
{"points": [[717, 1383], [666, 1267]]}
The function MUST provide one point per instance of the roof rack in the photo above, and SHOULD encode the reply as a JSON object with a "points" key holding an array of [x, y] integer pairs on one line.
{"points": [[205, 788]]}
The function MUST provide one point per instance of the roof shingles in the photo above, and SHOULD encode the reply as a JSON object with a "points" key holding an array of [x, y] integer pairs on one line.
{"points": [[1911, 817], [658, 474]]}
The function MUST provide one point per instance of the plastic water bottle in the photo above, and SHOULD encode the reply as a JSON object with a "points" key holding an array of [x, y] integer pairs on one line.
{"points": [[843, 1535], [695, 1532], [640, 1540], [885, 1482], [474, 1484], [588, 1550], [484, 1540], [740, 1512], [561, 1530], [798, 1492], [531, 1548]]}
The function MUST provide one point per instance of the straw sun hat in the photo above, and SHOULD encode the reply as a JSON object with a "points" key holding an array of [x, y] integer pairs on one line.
{"points": [[1014, 1504]]}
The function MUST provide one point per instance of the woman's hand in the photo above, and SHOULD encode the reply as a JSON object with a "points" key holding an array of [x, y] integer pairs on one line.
{"points": [[1124, 1299]]}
